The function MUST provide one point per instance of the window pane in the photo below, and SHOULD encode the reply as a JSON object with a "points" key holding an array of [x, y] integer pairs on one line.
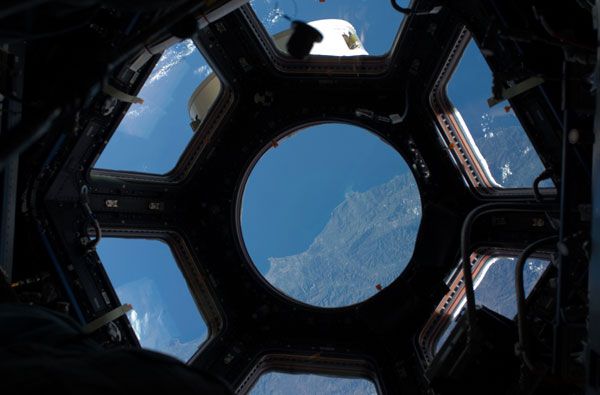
{"points": [[496, 291], [495, 288], [275, 383], [349, 28], [497, 133], [144, 274], [330, 215], [153, 135]]}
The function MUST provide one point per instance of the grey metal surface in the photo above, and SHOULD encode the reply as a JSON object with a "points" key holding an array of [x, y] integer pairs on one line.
{"points": [[12, 64], [7, 220]]}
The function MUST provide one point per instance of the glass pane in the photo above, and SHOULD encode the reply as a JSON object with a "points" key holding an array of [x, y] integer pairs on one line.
{"points": [[330, 215], [504, 146], [496, 291], [495, 288], [153, 135], [144, 274], [349, 28], [274, 383]]}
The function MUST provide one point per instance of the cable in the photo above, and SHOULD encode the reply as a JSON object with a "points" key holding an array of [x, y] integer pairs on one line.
{"points": [[91, 219], [546, 174], [466, 261], [406, 101], [403, 10], [520, 292], [466, 249], [466, 265], [410, 11]]}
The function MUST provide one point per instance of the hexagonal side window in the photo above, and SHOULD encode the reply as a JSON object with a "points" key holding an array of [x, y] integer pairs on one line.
{"points": [[492, 136], [152, 135], [165, 316], [348, 28], [305, 383]]}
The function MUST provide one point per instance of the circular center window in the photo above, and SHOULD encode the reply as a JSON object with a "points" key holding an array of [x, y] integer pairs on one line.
{"points": [[330, 214]]}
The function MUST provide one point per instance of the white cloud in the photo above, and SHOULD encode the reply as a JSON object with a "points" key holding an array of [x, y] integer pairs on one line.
{"points": [[136, 120], [506, 171], [171, 58], [151, 321], [203, 71], [274, 16], [139, 121], [136, 110], [152, 332], [147, 316], [537, 267], [148, 329]]}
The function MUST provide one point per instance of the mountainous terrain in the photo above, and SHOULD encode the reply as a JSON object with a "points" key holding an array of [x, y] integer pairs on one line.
{"points": [[275, 383], [369, 239], [509, 154]]}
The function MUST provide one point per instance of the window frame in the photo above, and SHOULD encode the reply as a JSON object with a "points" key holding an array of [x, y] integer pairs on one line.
{"points": [[460, 144], [196, 281], [454, 300], [323, 64], [218, 111], [304, 363], [249, 169]]}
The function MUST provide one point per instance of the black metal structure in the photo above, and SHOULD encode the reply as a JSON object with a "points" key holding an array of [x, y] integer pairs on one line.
{"points": [[55, 207]]}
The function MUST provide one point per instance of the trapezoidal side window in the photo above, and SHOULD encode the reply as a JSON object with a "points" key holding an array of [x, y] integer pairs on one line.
{"points": [[153, 134], [165, 316], [489, 144], [348, 28], [494, 282], [275, 382]]}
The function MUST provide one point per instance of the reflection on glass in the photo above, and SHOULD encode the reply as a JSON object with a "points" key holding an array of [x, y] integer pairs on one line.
{"points": [[144, 274], [275, 383], [330, 215], [495, 288], [373, 24], [504, 146], [152, 135]]}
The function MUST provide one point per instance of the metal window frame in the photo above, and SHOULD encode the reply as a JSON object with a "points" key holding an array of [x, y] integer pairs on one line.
{"points": [[459, 142], [454, 299], [196, 281], [313, 363]]}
